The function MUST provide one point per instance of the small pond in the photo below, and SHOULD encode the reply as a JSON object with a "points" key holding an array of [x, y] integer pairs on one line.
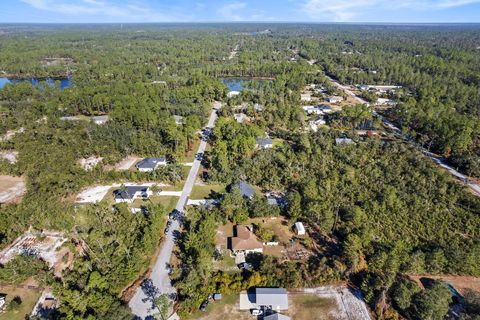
{"points": [[63, 83]]}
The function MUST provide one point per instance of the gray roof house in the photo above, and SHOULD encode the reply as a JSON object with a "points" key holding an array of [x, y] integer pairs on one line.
{"points": [[339, 141], [246, 190], [131, 193], [275, 298], [271, 298], [150, 164], [276, 316], [264, 143]]}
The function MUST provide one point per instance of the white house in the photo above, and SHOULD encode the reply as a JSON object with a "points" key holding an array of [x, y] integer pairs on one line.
{"points": [[150, 164], [232, 94], [317, 121], [299, 228], [312, 110], [306, 97], [130, 193], [264, 143], [100, 119], [334, 99]]}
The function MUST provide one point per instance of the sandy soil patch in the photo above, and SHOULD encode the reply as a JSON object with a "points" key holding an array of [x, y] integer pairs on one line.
{"points": [[89, 163], [11, 188], [42, 245], [11, 133], [10, 156], [125, 164]]}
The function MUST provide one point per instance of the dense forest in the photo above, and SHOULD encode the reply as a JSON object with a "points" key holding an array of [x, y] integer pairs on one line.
{"points": [[383, 210]]}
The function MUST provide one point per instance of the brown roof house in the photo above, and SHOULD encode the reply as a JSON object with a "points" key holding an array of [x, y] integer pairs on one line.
{"points": [[245, 241]]}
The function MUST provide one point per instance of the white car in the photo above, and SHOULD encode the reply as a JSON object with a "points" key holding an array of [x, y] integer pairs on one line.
{"points": [[256, 312]]}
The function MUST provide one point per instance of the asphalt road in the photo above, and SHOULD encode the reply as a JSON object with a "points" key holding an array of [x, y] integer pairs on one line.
{"points": [[397, 132], [140, 305]]}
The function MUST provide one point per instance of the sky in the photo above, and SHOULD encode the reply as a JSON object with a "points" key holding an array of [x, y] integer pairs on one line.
{"points": [[104, 11]]}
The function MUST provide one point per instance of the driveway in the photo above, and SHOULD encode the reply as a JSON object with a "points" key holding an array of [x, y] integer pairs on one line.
{"points": [[140, 304]]}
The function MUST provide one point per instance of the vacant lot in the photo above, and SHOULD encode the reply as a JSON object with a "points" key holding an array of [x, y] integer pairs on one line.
{"points": [[204, 191], [226, 309], [124, 164], [11, 188], [461, 283], [312, 307], [28, 297]]}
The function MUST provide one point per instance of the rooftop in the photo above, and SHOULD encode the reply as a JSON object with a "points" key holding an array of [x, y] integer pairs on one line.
{"points": [[245, 189], [150, 163], [264, 141], [245, 239], [129, 192], [275, 297]]}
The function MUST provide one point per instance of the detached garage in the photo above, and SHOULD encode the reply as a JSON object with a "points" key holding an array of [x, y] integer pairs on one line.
{"points": [[299, 228]]}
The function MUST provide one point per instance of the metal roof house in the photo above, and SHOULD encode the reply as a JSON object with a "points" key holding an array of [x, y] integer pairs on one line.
{"points": [[246, 190], [150, 164], [334, 99], [339, 141], [276, 316], [131, 193], [264, 143], [100, 119], [299, 228], [270, 298]]}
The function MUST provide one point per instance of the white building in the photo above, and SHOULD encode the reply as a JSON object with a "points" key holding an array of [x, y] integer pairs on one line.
{"points": [[232, 94], [299, 228], [305, 97], [334, 99], [100, 119], [150, 164]]}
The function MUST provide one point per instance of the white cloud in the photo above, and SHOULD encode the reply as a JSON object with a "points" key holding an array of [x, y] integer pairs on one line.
{"points": [[230, 11], [347, 10], [128, 12]]}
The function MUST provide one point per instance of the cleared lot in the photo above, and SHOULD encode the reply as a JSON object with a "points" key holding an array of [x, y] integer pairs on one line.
{"points": [[11, 188], [28, 296]]}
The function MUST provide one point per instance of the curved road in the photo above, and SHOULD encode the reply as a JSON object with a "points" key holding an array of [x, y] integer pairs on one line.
{"points": [[397, 132], [140, 304]]}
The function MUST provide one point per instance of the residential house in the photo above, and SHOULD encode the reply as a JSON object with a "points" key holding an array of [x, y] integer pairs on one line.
{"points": [[325, 108], [130, 193], [299, 228], [178, 120], [315, 122], [334, 99], [245, 241], [305, 97], [339, 141], [232, 94], [276, 316], [150, 164], [264, 143], [100, 119], [265, 298], [246, 190], [312, 110]]}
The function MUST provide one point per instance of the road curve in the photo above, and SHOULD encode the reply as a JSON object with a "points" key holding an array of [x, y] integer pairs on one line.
{"points": [[139, 304]]}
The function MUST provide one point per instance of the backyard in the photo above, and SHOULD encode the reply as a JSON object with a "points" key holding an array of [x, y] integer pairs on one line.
{"points": [[28, 298]]}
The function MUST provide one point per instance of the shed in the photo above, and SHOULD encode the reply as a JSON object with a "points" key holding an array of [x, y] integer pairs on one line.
{"points": [[299, 228], [217, 296]]}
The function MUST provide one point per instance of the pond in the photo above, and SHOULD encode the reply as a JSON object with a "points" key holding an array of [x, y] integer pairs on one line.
{"points": [[238, 84], [63, 83]]}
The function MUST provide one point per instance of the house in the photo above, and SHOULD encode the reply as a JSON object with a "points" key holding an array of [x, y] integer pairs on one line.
{"points": [[265, 298], [312, 110], [276, 316], [315, 122], [246, 190], [70, 118], [240, 117], [339, 141], [3, 297], [150, 164], [384, 102], [306, 97], [178, 120], [100, 119], [299, 228], [232, 94], [334, 99], [325, 108], [276, 200], [245, 241], [130, 193], [264, 143]]}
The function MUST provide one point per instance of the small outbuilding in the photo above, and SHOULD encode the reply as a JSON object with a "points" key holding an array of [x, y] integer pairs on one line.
{"points": [[217, 296], [299, 228], [100, 119]]}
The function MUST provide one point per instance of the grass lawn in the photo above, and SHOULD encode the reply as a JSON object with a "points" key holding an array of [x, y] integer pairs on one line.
{"points": [[311, 307], [202, 192], [29, 298], [277, 142], [227, 308], [167, 202]]}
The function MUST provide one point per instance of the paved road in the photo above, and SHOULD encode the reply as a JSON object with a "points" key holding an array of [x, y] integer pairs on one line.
{"points": [[139, 304], [397, 132]]}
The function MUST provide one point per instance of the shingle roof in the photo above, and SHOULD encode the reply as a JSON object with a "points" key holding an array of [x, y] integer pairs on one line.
{"points": [[245, 189], [245, 239], [129, 192], [150, 163]]}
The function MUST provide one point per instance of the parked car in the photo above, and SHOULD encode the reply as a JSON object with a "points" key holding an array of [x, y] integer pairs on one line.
{"points": [[204, 305], [245, 265], [256, 312]]}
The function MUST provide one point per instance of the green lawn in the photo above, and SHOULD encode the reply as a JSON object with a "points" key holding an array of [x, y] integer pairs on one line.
{"points": [[222, 310], [168, 202], [202, 192], [28, 296]]}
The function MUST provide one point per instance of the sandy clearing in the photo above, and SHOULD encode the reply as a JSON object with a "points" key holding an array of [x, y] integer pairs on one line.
{"points": [[124, 164], [90, 162], [97, 193], [10, 156], [461, 283], [11, 133], [11, 188]]}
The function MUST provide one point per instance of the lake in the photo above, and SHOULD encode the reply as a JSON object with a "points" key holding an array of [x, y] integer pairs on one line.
{"points": [[63, 83]]}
